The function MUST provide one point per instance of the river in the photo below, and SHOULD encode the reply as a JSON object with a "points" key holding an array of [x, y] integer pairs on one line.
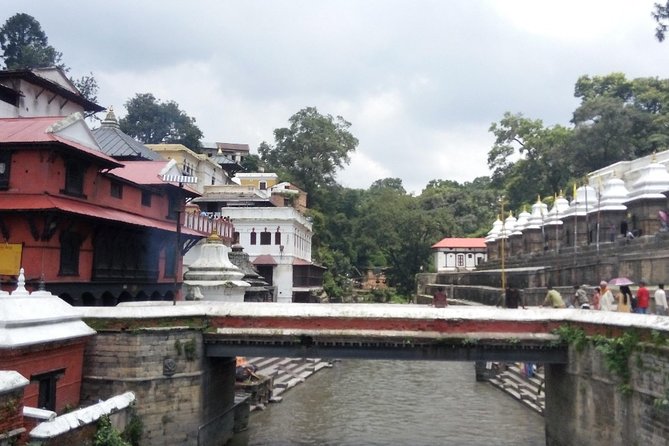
{"points": [[374, 402]]}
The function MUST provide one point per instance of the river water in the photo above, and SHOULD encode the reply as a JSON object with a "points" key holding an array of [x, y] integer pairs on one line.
{"points": [[375, 402]]}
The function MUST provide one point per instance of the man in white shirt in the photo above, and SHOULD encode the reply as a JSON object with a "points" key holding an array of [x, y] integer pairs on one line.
{"points": [[660, 301], [606, 302]]}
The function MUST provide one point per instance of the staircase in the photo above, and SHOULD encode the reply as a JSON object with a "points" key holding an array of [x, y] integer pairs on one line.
{"points": [[529, 391]]}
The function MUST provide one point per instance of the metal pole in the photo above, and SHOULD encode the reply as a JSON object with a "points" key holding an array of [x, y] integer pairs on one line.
{"points": [[502, 244]]}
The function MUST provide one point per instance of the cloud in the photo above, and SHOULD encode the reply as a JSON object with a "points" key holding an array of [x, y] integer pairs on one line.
{"points": [[420, 82]]}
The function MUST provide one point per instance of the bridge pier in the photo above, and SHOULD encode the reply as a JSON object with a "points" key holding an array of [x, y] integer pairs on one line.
{"points": [[183, 397], [588, 405]]}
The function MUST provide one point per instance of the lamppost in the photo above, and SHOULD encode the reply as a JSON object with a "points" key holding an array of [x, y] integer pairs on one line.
{"points": [[502, 241]]}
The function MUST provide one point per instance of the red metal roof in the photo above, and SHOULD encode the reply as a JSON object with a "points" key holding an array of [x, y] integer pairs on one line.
{"points": [[33, 130], [460, 243], [297, 261], [265, 259], [147, 173], [141, 172], [28, 202]]}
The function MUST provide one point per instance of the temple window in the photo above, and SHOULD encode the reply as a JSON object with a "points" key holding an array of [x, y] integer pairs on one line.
{"points": [[265, 238]]}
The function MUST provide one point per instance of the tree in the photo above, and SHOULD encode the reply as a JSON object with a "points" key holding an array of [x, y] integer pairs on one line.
{"points": [[153, 122], [311, 150], [661, 16], [25, 45], [87, 86], [543, 158]]}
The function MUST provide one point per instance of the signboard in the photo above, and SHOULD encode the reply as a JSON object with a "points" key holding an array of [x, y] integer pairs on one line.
{"points": [[10, 258]]}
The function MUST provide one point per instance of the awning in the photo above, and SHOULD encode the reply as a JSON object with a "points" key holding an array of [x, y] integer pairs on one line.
{"points": [[302, 262], [265, 259], [27, 202]]}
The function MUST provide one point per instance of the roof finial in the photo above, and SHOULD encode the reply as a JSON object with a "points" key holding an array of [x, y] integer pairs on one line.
{"points": [[110, 120]]}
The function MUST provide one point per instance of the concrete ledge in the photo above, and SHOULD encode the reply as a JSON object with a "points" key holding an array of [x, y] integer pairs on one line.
{"points": [[81, 417]]}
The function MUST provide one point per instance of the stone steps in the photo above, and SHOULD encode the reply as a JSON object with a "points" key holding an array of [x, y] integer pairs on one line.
{"points": [[286, 373], [528, 391]]}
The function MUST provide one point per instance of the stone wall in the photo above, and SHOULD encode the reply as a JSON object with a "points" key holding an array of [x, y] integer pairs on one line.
{"points": [[181, 394], [586, 404], [644, 257]]}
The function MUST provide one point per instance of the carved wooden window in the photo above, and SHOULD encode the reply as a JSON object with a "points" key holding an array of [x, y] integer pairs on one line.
{"points": [[146, 198], [116, 189], [74, 178], [70, 244]]}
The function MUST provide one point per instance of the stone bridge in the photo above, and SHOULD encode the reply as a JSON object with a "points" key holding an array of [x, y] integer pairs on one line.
{"points": [[178, 359]]}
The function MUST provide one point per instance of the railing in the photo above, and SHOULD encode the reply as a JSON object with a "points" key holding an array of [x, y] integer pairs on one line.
{"points": [[208, 225]]}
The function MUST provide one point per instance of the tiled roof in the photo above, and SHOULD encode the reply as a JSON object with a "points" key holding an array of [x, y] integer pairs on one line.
{"points": [[34, 131], [26, 202], [460, 243], [119, 145]]}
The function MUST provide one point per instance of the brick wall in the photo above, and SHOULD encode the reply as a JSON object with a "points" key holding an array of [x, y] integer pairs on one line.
{"points": [[32, 360], [11, 413], [177, 388], [585, 404]]}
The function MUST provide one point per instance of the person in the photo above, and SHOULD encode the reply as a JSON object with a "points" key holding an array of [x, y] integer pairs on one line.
{"points": [[606, 301], [595, 298], [660, 300], [553, 299], [624, 299], [580, 298], [642, 298], [439, 300], [513, 298]]}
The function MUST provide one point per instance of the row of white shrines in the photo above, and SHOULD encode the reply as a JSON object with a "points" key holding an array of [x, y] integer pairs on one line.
{"points": [[626, 199]]}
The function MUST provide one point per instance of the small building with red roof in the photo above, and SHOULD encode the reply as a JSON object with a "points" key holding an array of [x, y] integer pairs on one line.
{"points": [[454, 254]]}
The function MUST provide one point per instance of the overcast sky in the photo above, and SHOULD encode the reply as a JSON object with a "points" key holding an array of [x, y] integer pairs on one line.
{"points": [[420, 81]]}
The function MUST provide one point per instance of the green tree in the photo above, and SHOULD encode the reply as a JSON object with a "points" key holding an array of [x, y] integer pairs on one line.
{"points": [[153, 122], [311, 150], [528, 158], [661, 16], [394, 229], [618, 119], [25, 45], [87, 86]]}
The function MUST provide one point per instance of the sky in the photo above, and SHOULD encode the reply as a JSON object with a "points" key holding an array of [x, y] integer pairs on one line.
{"points": [[420, 81]]}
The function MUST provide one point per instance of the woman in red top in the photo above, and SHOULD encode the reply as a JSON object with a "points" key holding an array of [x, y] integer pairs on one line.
{"points": [[642, 298]]}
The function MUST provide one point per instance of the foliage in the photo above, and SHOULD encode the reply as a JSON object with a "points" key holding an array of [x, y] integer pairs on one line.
{"points": [[572, 336], [661, 16], [107, 435], [87, 86], [528, 158], [311, 150], [152, 121], [134, 429], [617, 352], [25, 45]]}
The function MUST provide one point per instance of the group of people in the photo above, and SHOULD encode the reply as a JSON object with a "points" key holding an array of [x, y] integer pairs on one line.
{"points": [[626, 302], [603, 298]]}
